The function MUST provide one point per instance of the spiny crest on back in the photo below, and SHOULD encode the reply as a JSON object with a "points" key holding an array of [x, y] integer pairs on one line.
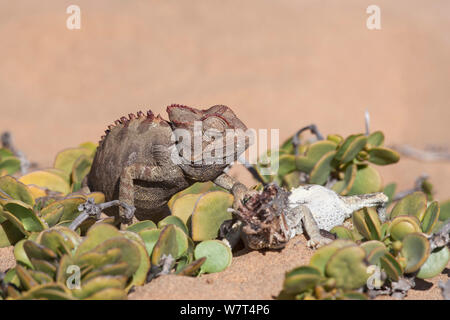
{"points": [[123, 122], [219, 117]]}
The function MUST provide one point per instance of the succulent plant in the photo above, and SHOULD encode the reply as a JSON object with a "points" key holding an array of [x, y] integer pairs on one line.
{"points": [[435, 263], [444, 214], [21, 215], [401, 245], [47, 180], [109, 263], [9, 163], [336, 271], [343, 266], [401, 226], [11, 189], [415, 250], [69, 169], [171, 238], [367, 223], [44, 198], [204, 213], [216, 253], [341, 164], [414, 204], [196, 188], [189, 234], [172, 241], [37, 208]]}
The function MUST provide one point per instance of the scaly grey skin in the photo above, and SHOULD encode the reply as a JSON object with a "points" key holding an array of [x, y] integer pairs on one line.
{"points": [[134, 161], [322, 208]]}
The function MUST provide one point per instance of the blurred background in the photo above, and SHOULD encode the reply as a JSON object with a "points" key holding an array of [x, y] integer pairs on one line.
{"points": [[279, 64]]}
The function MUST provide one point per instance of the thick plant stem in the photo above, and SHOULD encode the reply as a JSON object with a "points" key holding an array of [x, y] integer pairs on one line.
{"points": [[417, 187], [90, 209], [78, 220], [296, 137], [440, 238]]}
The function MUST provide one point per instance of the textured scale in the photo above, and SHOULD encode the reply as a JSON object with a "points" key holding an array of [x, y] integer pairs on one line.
{"points": [[328, 208], [131, 141]]}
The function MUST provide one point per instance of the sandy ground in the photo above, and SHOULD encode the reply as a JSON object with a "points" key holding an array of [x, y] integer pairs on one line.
{"points": [[251, 276], [254, 276], [279, 65], [7, 260]]}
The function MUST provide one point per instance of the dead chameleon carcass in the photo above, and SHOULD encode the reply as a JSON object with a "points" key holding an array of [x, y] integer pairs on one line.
{"points": [[270, 218]]}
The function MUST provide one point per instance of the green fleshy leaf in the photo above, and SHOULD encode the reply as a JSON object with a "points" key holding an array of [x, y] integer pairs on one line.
{"points": [[218, 255], [375, 139], [367, 180], [414, 204], [435, 264], [383, 156], [322, 169]]}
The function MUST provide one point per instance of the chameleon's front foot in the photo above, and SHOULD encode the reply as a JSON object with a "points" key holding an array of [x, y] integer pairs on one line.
{"points": [[317, 242], [126, 212], [237, 189], [239, 192]]}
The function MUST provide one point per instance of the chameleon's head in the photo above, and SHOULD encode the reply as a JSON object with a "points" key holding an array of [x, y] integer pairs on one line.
{"points": [[210, 138]]}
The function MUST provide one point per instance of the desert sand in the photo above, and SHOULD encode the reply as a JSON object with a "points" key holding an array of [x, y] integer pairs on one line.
{"points": [[279, 65]]}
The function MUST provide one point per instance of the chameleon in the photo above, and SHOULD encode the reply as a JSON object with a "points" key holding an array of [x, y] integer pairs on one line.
{"points": [[140, 161], [270, 218]]}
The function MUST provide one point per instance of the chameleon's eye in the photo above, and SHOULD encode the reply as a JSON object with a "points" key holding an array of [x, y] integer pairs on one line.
{"points": [[214, 123]]}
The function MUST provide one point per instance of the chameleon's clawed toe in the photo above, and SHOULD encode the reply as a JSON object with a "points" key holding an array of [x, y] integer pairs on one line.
{"points": [[318, 242], [126, 213], [89, 209]]}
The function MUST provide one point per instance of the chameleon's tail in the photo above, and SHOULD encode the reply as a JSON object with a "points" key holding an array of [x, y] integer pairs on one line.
{"points": [[365, 200]]}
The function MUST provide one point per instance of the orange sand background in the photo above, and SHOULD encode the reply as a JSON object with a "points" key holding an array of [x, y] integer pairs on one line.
{"points": [[279, 64]]}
